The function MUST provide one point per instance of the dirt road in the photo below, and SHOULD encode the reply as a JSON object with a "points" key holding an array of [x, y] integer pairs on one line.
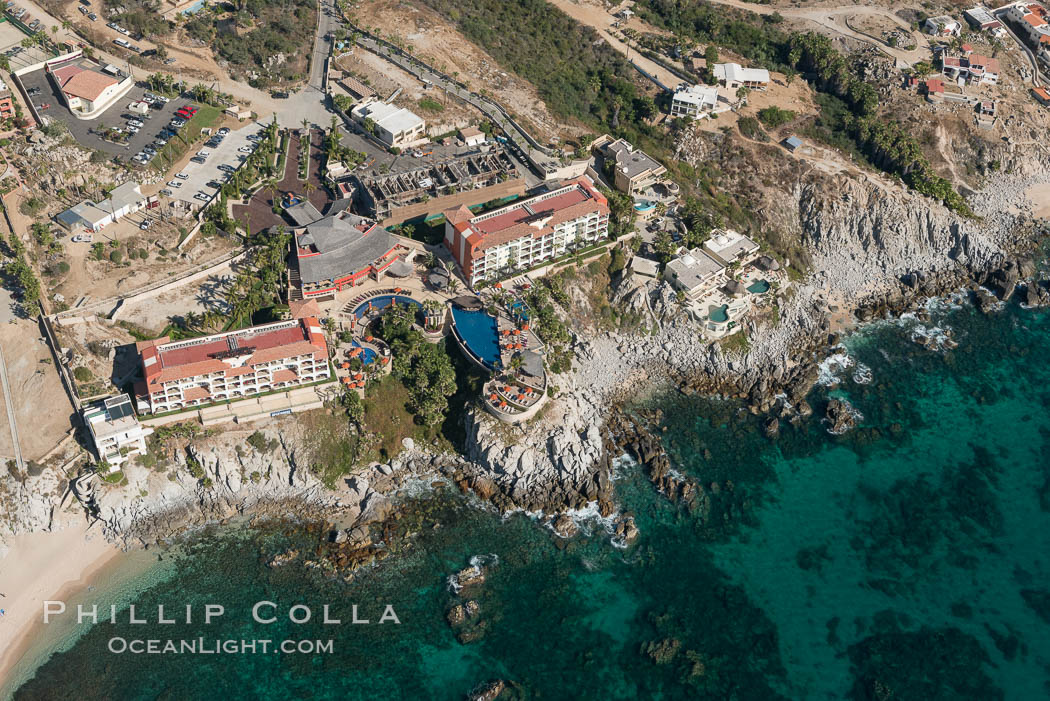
{"points": [[834, 18], [599, 19]]}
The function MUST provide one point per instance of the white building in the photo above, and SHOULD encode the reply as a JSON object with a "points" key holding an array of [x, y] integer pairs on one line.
{"points": [[1030, 24], [981, 19], [87, 88], [115, 432], [690, 101], [472, 136], [941, 26], [734, 76], [694, 272], [727, 245], [394, 126], [528, 232], [123, 200]]}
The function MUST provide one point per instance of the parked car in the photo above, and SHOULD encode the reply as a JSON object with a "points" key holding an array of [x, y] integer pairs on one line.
{"points": [[226, 168], [33, 92], [92, 16], [82, 238], [203, 153], [182, 176], [175, 184], [169, 61], [146, 224], [224, 131], [198, 159], [45, 106], [202, 197], [246, 149], [167, 193]]}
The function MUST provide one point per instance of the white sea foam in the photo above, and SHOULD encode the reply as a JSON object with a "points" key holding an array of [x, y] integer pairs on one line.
{"points": [[830, 368], [863, 375]]}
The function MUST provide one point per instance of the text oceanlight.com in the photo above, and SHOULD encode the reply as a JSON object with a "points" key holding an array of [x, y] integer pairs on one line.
{"points": [[263, 613], [203, 646]]}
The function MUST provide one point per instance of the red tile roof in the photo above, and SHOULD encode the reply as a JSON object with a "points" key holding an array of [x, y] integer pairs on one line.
{"points": [[161, 364], [518, 222], [85, 84]]}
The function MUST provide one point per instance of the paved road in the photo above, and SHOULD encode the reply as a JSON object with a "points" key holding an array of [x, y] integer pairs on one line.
{"points": [[11, 413]]}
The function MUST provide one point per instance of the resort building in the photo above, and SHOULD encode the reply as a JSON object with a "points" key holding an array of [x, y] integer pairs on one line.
{"points": [[337, 251], [1042, 96], [526, 233], [694, 272], [734, 76], [941, 26], [93, 216], [394, 126], [691, 101], [115, 431], [470, 180], [634, 171], [973, 69], [231, 365], [1030, 22], [727, 245], [7, 105], [88, 88]]}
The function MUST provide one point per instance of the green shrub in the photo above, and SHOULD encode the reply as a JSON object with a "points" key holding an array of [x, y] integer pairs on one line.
{"points": [[116, 256], [82, 374]]}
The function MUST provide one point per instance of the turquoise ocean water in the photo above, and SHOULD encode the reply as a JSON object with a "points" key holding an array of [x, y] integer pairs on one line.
{"points": [[907, 559]]}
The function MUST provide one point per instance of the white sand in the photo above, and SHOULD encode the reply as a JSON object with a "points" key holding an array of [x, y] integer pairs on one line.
{"points": [[39, 567]]}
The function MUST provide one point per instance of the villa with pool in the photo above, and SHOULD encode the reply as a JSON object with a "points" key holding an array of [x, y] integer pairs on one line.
{"points": [[723, 280]]}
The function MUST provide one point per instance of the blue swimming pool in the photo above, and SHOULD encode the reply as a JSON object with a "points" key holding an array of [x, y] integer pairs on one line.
{"points": [[383, 302], [194, 8], [477, 330], [758, 287], [718, 314], [367, 356]]}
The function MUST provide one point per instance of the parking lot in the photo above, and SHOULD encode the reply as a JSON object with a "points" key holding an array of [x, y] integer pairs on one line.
{"points": [[86, 131], [11, 39], [200, 174]]}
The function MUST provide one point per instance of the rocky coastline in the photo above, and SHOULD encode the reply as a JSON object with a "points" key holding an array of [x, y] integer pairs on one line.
{"points": [[875, 253]]}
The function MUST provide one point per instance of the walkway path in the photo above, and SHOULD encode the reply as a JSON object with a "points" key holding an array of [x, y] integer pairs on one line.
{"points": [[16, 444]]}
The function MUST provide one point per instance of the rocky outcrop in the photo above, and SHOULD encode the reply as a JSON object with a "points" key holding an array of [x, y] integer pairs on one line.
{"points": [[840, 417]]}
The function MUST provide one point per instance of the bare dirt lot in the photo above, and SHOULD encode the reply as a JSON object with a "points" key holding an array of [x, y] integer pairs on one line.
{"points": [[433, 39], [42, 409]]}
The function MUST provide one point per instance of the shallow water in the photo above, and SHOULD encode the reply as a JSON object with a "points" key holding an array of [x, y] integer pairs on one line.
{"points": [[908, 557]]}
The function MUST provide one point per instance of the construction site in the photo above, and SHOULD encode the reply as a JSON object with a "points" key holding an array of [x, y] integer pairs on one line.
{"points": [[469, 179]]}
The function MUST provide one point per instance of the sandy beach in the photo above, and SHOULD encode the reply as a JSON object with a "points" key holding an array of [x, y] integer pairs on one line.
{"points": [[39, 567]]}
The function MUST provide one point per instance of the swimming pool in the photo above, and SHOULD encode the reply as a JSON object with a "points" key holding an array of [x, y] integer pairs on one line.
{"points": [[758, 287], [194, 8], [478, 333], [368, 356], [718, 314], [644, 206], [382, 303]]}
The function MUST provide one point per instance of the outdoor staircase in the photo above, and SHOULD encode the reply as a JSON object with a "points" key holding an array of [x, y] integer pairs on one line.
{"points": [[295, 285]]}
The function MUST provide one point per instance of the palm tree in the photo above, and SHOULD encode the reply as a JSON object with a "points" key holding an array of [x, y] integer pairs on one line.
{"points": [[453, 285]]}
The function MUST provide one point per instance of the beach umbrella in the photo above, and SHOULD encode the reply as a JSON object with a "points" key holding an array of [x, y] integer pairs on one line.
{"points": [[493, 396], [520, 397]]}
